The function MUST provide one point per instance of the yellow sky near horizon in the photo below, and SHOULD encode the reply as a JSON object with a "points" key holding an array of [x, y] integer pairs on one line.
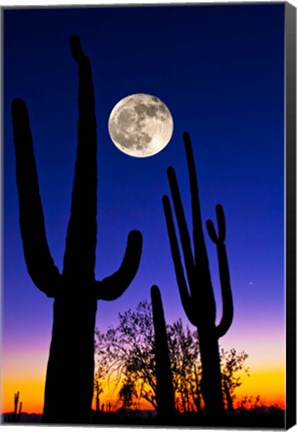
{"points": [[25, 371], [268, 383]]}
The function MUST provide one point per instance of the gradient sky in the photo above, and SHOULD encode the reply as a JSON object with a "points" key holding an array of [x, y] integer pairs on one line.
{"points": [[220, 70]]}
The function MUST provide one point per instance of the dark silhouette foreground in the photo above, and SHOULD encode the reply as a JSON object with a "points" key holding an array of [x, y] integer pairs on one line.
{"points": [[271, 418], [196, 290], [70, 371], [164, 392]]}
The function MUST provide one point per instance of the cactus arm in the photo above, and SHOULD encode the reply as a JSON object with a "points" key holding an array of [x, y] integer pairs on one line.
{"points": [[198, 237], [114, 286], [221, 226], [82, 228], [201, 258], [228, 310], [219, 239], [179, 272], [40, 264], [16, 401], [20, 409], [182, 224]]}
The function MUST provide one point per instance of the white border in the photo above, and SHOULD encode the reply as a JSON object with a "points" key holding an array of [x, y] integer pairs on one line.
{"points": [[53, 3]]}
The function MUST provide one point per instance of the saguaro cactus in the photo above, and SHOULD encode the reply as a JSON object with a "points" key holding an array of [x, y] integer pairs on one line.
{"points": [[16, 415], [165, 393], [196, 289], [70, 370]]}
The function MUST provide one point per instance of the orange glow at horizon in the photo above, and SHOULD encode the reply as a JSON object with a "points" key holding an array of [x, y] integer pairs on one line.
{"points": [[31, 396], [268, 384], [25, 372]]}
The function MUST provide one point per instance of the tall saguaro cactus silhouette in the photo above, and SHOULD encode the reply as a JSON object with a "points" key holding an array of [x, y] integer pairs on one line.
{"points": [[195, 288], [70, 370], [165, 393]]}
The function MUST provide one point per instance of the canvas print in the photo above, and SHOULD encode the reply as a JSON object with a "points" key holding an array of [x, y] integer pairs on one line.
{"points": [[144, 216]]}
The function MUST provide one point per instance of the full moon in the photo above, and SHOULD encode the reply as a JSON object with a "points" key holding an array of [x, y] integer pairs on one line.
{"points": [[140, 125]]}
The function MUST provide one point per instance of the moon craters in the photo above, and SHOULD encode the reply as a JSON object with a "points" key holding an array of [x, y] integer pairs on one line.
{"points": [[140, 125]]}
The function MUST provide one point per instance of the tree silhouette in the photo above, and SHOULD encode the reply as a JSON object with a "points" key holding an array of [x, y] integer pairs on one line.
{"points": [[69, 379], [127, 392], [186, 366], [196, 290], [129, 350], [98, 391], [128, 353], [232, 363]]}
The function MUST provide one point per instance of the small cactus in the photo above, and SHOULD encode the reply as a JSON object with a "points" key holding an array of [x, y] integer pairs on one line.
{"points": [[70, 370], [16, 415], [165, 393], [196, 290]]}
